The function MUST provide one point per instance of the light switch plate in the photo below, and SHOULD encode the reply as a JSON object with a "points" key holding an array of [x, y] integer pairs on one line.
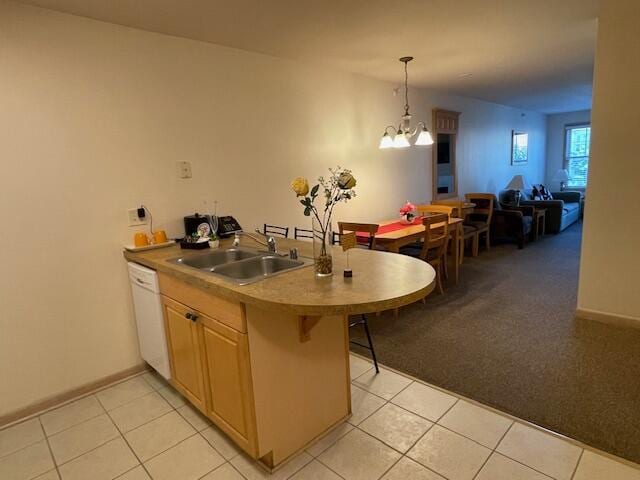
{"points": [[184, 169], [134, 220]]}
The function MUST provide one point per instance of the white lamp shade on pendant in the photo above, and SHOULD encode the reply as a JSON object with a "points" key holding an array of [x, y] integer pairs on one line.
{"points": [[400, 141], [517, 183], [424, 138], [386, 141], [561, 175]]}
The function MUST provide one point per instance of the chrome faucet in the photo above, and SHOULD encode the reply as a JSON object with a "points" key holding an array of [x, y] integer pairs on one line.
{"points": [[269, 241]]}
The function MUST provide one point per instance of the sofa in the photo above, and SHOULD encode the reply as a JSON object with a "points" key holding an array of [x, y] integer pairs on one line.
{"points": [[507, 224], [562, 211]]}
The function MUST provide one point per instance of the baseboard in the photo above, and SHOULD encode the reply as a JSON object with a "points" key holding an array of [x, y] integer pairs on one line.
{"points": [[57, 400], [610, 318]]}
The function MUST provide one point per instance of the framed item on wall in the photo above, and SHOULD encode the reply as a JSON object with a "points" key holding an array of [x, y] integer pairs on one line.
{"points": [[519, 148]]}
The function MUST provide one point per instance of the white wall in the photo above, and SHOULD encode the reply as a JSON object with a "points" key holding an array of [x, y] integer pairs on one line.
{"points": [[94, 117], [610, 264], [555, 141]]}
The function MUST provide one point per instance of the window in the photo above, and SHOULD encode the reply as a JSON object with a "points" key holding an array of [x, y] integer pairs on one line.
{"points": [[576, 154]]}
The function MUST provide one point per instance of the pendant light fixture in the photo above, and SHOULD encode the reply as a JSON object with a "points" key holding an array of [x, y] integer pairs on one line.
{"points": [[399, 138]]}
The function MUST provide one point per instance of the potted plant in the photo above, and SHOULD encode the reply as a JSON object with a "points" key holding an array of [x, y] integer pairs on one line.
{"points": [[407, 213], [338, 187]]}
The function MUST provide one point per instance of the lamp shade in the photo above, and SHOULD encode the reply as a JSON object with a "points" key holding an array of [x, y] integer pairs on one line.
{"points": [[561, 175], [517, 183], [424, 138], [386, 141], [400, 140]]}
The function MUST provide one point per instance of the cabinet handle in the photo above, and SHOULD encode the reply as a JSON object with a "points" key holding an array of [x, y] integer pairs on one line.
{"points": [[188, 315], [194, 317]]}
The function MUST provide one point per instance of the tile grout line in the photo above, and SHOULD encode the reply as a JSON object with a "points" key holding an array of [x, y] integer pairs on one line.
{"points": [[76, 424], [575, 470], [104, 410], [226, 462], [125, 440], [523, 464], [497, 452], [46, 439]]}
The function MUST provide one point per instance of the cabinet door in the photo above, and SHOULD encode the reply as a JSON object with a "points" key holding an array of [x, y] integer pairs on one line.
{"points": [[184, 351], [228, 375]]}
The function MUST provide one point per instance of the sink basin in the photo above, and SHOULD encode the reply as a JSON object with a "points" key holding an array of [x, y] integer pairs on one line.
{"points": [[209, 260], [256, 268], [240, 265]]}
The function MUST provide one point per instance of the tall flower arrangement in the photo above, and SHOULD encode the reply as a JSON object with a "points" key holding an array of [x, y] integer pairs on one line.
{"points": [[337, 187]]}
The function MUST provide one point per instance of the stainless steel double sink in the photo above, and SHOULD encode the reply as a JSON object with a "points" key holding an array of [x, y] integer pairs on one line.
{"points": [[241, 265]]}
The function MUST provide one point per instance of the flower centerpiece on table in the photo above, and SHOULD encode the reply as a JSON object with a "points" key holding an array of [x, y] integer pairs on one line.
{"points": [[338, 187], [407, 212]]}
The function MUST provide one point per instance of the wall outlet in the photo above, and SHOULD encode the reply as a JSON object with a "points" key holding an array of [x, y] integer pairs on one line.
{"points": [[184, 169], [134, 219]]}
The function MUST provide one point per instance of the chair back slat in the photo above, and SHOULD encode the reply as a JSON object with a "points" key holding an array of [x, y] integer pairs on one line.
{"points": [[370, 228], [299, 233], [275, 230]]}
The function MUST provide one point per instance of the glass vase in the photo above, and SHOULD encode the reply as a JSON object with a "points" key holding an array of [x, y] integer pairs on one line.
{"points": [[322, 261]]}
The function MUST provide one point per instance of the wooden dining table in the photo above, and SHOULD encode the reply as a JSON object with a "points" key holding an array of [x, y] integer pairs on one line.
{"points": [[407, 234]]}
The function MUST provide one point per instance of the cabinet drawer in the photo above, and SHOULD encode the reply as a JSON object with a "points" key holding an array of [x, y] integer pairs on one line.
{"points": [[225, 311]]}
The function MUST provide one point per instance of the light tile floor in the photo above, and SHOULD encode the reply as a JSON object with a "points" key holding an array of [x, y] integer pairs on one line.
{"points": [[401, 429]]}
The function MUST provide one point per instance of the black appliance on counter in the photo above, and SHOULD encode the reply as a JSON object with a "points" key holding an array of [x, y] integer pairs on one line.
{"points": [[197, 222]]}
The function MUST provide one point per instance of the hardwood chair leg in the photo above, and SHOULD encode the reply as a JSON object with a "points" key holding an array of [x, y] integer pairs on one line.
{"points": [[488, 240], [461, 250], [475, 245]]}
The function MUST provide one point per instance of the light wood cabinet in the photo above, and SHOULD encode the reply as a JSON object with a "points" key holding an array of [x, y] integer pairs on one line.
{"points": [[183, 342], [225, 355], [210, 366]]}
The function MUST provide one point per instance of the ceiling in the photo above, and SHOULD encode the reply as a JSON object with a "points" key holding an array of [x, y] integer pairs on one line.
{"points": [[531, 54]]}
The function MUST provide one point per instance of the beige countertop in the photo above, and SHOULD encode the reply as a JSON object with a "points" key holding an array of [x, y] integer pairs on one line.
{"points": [[381, 280]]}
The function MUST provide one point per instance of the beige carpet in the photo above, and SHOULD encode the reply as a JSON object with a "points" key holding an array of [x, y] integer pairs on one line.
{"points": [[506, 337]]}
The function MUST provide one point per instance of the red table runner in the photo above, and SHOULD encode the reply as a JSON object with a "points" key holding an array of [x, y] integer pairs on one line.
{"points": [[391, 227]]}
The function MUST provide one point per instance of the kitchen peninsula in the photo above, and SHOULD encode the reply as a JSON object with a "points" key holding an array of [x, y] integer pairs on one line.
{"points": [[268, 362]]}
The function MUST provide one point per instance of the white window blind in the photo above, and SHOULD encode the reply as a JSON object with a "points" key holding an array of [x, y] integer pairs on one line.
{"points": [[576, 155]]}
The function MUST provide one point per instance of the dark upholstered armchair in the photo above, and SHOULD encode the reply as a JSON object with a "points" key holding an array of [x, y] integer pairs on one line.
{"points": [[510, 223]]}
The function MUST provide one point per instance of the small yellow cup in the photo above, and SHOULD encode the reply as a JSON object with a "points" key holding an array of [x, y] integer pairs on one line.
{"points": [[140, 240], [159, 236]]}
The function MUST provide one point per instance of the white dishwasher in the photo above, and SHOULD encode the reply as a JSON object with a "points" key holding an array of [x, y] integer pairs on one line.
{"points": [[149, 318]]}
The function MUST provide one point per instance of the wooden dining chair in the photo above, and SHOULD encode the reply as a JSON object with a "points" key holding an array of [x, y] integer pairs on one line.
{"points": [[480, 219], [451, 211], [371, 229], [434, 245], [275, 230], [469, 232], [299, 233]]}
